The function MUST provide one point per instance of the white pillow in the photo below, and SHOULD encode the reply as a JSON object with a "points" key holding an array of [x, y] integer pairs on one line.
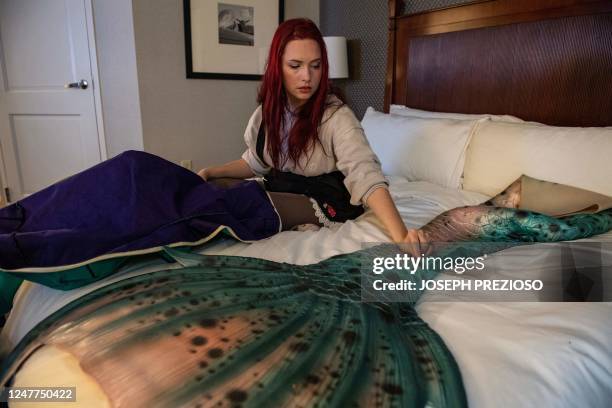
{"points": [[501, 152], [406, 111], [419, 149]]}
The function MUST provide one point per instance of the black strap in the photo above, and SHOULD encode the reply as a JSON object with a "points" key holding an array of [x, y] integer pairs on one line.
{"points": [[328, 190], [261, 142]]}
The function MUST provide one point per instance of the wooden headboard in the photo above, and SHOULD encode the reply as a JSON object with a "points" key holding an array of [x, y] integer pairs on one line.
{"points": [[548, 61]]}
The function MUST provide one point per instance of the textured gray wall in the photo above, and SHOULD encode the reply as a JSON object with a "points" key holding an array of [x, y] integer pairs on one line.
{"points": [[364, 24]]}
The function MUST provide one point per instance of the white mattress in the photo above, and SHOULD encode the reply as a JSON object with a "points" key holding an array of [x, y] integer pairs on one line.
{"points": [[509, 354]]}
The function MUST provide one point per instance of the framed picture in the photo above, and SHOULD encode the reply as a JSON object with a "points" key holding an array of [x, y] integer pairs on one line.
{"points": [[229, 39]]}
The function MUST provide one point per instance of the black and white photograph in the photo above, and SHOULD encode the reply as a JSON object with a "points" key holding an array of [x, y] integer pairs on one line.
{"points": [[236, 25], [229, 39]]}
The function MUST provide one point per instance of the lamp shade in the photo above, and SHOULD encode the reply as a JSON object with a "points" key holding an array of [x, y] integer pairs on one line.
{"points": [[337, 57]]}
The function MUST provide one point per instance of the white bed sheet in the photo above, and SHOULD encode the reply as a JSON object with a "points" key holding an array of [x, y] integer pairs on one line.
{"points": [[509, 354]]}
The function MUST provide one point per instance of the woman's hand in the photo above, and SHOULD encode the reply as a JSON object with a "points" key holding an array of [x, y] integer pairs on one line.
{"points": [[204, 174], [416, 243], [382, 204], [238, 169]]}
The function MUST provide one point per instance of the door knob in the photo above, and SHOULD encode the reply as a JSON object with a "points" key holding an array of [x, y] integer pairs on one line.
{"points": [[82, 84]]}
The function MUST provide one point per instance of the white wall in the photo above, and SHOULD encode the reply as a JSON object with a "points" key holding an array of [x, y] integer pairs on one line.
{"points": [[4, 127], [114, 30], [302, 8]]}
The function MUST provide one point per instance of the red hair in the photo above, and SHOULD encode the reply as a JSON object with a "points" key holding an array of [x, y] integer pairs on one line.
{"points": [[273, 98]]}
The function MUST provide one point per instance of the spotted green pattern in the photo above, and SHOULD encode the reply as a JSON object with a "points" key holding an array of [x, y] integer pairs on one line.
{"points": [[499, 224], [258, 333], [228, 331]]}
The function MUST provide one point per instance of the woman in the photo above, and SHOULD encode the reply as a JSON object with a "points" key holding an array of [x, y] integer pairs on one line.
{"points": [[308, 144]]}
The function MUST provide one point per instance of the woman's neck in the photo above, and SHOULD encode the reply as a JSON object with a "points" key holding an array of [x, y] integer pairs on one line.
{"points": [[294, 106], [291, 110]]}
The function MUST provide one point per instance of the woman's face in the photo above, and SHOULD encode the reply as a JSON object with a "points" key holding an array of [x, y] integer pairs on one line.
{"points": [[301, 70]]}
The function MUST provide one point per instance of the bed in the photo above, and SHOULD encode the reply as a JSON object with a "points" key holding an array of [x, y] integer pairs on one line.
{"points": [[509, 354], [501, 348], [542, 61]]}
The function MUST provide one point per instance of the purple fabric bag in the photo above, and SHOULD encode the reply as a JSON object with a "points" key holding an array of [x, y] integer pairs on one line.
{"points": [[132, 202]]}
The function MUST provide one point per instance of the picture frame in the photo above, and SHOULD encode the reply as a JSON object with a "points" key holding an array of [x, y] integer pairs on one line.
{"points": [[229, 39]]}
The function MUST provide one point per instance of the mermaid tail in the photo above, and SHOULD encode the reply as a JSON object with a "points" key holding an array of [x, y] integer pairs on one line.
{"points": [[483, 223], [246, 331]]}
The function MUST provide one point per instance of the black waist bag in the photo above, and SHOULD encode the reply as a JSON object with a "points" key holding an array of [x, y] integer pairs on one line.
{"points": [[328, 190]]}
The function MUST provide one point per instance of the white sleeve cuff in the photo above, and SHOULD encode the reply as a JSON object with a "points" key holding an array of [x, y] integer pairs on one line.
{"points": [[254, 163], [367, 194]]}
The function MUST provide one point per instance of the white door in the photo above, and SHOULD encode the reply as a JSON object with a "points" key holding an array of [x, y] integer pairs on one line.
{"points": [[48, 131]]}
